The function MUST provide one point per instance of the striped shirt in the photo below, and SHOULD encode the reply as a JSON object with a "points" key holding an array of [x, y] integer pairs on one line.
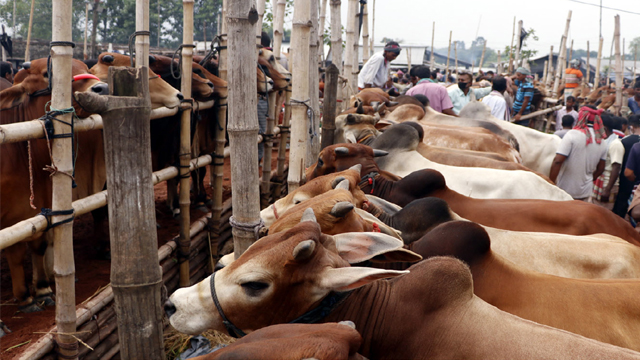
{"points": [[524, 89]]}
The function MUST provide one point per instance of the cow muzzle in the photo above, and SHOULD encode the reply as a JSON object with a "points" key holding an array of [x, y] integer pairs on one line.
{"points": [[169, 308], [100, 89]]}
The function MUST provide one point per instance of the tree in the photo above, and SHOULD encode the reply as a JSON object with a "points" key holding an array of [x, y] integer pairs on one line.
{"points": [[634, 47], [41, 28], [525, 53]]}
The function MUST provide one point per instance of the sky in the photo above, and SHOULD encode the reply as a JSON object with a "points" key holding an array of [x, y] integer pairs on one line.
{"points": [[412, 21]]}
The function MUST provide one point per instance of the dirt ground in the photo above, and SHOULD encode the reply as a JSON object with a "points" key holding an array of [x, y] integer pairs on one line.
{"points": [[92, 273]]}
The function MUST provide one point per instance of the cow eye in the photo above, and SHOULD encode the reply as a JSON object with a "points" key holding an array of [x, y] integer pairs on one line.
{"points": [[296, 202], [320, 162], [254, 288]]}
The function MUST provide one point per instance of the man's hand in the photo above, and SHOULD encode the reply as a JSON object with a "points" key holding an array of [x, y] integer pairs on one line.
{"points": [[517, 117], [604, 197]]}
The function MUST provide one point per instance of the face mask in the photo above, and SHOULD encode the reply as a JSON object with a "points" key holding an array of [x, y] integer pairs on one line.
{"points": [[462, 85]]}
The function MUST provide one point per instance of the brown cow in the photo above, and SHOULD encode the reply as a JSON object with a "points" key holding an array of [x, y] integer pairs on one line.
{"points": [[429, 313], [605, 310], [27, 100]]}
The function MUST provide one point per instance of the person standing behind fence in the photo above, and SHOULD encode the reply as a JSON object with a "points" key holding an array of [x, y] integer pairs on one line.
{"points": [[496, 101], [524, 94], [573, 78], [438, 97], [605, 188], [375, 71], [581, 156], [462, 94], [567, 110]]}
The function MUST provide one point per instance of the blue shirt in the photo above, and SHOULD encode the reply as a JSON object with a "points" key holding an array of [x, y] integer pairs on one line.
{"points": [[524, 89], [633, 105]]}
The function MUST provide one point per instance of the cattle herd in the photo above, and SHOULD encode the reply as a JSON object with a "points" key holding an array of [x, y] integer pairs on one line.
{"points": [[416, 235]]}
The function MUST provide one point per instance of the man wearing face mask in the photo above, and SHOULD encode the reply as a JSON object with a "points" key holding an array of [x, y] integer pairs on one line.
{"points": [[463, 93]]}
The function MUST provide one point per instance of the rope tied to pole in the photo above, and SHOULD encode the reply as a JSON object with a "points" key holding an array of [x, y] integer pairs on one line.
{"points": [[178, 53], [248, 227], [131, 44], [310, 115]]}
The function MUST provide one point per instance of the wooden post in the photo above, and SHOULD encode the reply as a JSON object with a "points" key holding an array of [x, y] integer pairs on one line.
{"points": [[596, 81], [455, 49], [373, 27], [561, 58], [409, 58], [94, 29], [588, 65], [142, 40], [544, 72], [321, 27], [635, 56], [329, 108], [610, 59], [446, 74], [243, 122], [336, 44], [365, 35], [63, 265], [265, 190], [260, 7], [86, 28], [300, 96], [484, 48], [27, 54], [518, 46], [314, 82], [619, 67], [284, 134], [433, 36], [352, 6], [499, 68], [278, 26], [513, 36], [548, 74], [185, 144]]}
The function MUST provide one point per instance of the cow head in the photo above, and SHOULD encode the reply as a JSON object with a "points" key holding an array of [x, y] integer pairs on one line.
{"points": [[265, 84], [162, 94], [343, 156], [280, 277], [280, 81], [201, 88], [314, 188], [271, 59], [352, 128], [220, 87], [34, 78]]}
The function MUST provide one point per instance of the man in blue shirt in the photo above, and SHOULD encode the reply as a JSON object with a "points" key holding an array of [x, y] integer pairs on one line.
{"points": [[634, 101], [524, 95]]}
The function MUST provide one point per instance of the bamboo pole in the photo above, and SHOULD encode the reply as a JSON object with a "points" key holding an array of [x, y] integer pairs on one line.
{"points": [[619, 68], [356, 41], [588, 65], [561, 58], [518, 44], [265, 185], [63, 264], [348, 55], [260, 7], [314, 82], [282, 146], [596, 81], [635, 56], [610, 59], [299, 127], [484, 48], [446, 74], [243, 122], [544, 72], [365, 35], [142, 39], [433, 36], [455, 49], [499, 67], [278, 26], [548, 75], [513, 36], [570, 57], [27, 54], [373, 27], [336, 43], [94, 29], [542, 112], [185, 142], [321, 27], [329, 108], [86, 29], [409, 58]]}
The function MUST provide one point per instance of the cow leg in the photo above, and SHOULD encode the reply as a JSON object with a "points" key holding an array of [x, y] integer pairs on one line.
{"points": [[44, 294], [15, 257], [100, 233], [172, 197]]}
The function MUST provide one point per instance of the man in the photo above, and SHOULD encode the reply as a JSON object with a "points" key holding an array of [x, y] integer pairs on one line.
{"points": [[567, 124], [524, 94], [437, 94], [375, 71], [568, 110], [463, 93], [581, 156], [434, 76], [607, 184], [634, 101], [573, 77], [6, 75], [496, 101], [626, 186]]}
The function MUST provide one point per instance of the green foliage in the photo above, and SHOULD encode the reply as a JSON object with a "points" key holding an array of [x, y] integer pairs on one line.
{"points": [[41, 28], [524, 52], [634, 47]]}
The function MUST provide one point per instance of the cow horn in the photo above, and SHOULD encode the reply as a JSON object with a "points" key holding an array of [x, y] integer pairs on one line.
{"points": [[378, 153], [360, 109], [108, 59], [356, 167], [348, 323], [308, 215], [341, 209], [375, 105], [341, 150], [337, 181], [304, 250], [344, 184], [26, 65]]}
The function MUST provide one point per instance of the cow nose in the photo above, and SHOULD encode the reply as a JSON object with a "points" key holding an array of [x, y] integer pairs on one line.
{"points": [[169, 308], [180, 96], [100, 89], [271, 82]]}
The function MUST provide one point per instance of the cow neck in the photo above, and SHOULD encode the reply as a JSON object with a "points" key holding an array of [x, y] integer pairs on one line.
{"points": [[366, 307], [490, 269], [374, 182]]}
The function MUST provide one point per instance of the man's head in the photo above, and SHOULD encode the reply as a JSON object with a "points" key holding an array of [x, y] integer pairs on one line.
{"points": [[499, 84], [6, 71], [610, 123], [634, 123], [575, 63], [465, 79], [489, 75], [391, 51], [522, 73], [571, 102], [419, 72], [567, 121], [434, 74]]}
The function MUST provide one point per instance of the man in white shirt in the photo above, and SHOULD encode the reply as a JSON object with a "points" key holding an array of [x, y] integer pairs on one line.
{"points": [[462, 94], [496, 101], [375, 71], [568, 110]]}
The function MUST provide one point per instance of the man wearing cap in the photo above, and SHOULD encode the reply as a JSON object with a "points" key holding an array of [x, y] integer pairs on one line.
{"points": [[375, 71], [573, 77], [524, 93]]}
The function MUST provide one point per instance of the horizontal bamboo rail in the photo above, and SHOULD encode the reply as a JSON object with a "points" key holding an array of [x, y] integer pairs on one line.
{"points": [[30, 130], [541, 112]]}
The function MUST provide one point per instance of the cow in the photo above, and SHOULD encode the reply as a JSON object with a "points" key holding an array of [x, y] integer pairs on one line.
{"points": [[331, 341], [426, 311], [27, 100], [598, 256], [169, 70], [605, 310]]}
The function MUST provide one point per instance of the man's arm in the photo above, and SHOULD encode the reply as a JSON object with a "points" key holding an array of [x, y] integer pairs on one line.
{"points": [[628, 173], [615, 173], [525, 103], [555, 166], [482, 92], [599, 170], [449, 111]]}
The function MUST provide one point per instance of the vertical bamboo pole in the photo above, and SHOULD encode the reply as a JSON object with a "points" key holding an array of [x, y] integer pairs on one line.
{"points": [[513, 36], [446, 74], [86, 28], [373, 27], [544, 72], [94, 29], [278, 25], [365, 35], [336, 44], [433, 36], [282, 148], [63, 265], [185, 144], [455, 49], [518, 46], [159, 29], [356, 41], [142, 41], [321, 27], [588, 65], [549, 75], [260, 7], [618, 105], [204, 37], [409, 58], [314, 81], [329, 108], [570, 57], [561, 57], [27, 55], [484, 48], [243, 123], [499, 67], [635, 56], [265, 184], [352, 6], [300, 39], [14, 19], [610, 59], [596, 81]]}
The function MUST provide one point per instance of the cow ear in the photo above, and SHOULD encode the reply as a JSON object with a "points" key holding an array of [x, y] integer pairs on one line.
{"points": [[152, 59], [350, 138], [359, 247], [349, 278], [343, 184]]}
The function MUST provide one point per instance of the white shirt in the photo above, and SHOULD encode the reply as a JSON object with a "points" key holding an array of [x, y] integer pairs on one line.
{"points": [[576, 173], [561, 113], [498, 105], [375, 71]]}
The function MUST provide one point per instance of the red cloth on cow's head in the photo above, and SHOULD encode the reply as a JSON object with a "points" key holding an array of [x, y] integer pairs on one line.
{"points": [[589, 116]]}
